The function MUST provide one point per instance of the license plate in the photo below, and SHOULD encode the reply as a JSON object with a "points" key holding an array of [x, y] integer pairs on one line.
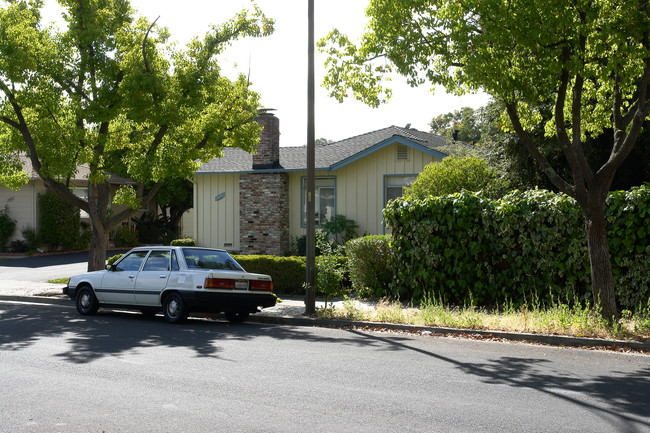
{"points": [[241, 285]]}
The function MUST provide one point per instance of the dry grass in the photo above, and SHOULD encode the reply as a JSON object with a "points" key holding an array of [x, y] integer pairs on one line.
{"points": [[558, 320]]}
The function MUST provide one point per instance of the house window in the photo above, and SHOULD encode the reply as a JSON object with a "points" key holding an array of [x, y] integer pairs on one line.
{"points": [[324, 200], [402, 152], [394, 186]]}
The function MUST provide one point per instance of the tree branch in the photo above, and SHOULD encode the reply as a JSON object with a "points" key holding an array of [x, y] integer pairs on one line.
{"points": [[144, 46], [539, 158]]}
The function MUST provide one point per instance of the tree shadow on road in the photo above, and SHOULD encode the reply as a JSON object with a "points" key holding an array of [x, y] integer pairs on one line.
{"points": [[625, 396], [113, 333]]}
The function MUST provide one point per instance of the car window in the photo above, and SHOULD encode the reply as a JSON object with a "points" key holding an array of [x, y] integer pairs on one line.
{"points": [[210, 259], [157, 261], [131, 262], [175, 266]]}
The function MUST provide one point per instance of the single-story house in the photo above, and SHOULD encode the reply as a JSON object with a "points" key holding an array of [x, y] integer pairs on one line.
{"points": [[23, 204], [255, 204]]}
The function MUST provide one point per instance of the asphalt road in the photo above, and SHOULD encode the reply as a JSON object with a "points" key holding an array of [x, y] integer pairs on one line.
{"points": [[46, 267], [121, 372]]}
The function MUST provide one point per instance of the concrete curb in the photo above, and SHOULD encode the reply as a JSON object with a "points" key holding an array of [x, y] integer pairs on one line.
{"points": [[551, 340]]}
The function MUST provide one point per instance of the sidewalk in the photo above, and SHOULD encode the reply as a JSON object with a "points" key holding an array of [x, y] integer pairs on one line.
{"points": [[291, 312]]}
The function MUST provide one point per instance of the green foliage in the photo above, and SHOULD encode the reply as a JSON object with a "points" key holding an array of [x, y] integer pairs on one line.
{"points": [[185, 242], [125, 236], [526, 248], [113, 92], [371, 266], [113, 259], [628, 216], [7, 226], [32, 238], [288, 273], [60, 223], [154, 229], [455, 174], [18, 246], [589, 61], [462, 125], [330, 277], [339, 229]]}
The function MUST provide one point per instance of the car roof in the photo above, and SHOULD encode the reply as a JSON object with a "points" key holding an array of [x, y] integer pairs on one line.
{"points": [[173, 247]]}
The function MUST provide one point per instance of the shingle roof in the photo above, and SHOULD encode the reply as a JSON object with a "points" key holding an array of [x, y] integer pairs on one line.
{"points": [[329, 156]]}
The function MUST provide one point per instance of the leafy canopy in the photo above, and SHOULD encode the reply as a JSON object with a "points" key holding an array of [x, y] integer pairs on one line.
{"points": [[112, 93], [515, 50]]}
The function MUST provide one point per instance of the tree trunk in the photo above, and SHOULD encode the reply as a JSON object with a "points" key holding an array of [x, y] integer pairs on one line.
{"points": [[98, 246], [602, 279]]}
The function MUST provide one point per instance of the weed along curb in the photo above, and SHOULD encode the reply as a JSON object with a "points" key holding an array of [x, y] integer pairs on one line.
{"points": [[293, 320]]}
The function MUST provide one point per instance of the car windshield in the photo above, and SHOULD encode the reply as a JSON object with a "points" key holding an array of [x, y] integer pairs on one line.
{"points": [[210, 259]]}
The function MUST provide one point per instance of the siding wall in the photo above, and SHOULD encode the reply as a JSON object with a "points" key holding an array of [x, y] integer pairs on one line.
{"points": [[360, 188], [23, 206], [217, 221]]}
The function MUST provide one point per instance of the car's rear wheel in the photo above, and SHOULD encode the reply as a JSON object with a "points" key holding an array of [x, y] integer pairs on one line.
{"points": [[86, 301], [174, 308], [237, 316]]}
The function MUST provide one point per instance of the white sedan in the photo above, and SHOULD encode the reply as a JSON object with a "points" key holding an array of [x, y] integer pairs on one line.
{"points": [[176, 280]]}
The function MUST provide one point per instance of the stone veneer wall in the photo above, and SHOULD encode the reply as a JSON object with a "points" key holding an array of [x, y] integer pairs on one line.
{"points": [[264, 213]]}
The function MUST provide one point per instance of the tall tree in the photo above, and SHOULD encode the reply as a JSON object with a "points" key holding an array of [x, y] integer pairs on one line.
{"points": [[591, 58], [111, 90], [463, 125]]}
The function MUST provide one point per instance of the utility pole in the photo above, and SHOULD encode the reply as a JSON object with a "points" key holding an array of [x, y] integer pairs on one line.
{"points": [[310, 296]]}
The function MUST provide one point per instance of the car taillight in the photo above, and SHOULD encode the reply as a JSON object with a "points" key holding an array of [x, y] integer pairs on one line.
{"points": [[219, 283], [262, 285]]}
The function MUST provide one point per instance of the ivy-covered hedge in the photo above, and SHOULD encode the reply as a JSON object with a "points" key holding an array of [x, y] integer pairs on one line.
{"points": [[527, 247], [288, 273]]}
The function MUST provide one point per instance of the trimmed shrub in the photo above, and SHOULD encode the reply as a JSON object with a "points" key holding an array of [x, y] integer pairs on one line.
{"points": [[370, 264], [185, 242], [60, 223], [288, 273], [455, 174], [125, 236], [7, 226]]}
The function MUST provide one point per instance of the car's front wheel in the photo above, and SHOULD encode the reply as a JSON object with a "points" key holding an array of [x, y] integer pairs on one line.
{"points": [[237, 316], [174, 308], [86, 301]]}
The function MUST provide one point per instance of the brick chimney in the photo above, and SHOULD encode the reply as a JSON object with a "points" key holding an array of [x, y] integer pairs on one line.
{"points": [[268, 151]]}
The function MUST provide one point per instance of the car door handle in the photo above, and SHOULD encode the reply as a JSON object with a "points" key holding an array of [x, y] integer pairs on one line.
{"points": [[132, 276], [163, 276]]}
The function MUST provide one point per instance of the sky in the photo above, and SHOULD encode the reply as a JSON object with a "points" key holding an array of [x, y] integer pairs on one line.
{"points": [[278, 65]]}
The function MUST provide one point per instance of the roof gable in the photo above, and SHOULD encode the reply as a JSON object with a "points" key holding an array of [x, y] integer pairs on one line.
{"points": [[330, 156]]}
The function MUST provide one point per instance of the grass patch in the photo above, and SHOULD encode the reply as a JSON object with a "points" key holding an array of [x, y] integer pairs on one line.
{"points": [[58, 281], [560, 319]]}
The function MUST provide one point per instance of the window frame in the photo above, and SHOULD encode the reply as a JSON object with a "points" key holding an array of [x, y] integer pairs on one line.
{"points": [[303, 198]]}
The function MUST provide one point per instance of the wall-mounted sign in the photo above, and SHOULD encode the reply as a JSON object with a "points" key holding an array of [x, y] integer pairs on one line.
{"points": [[219, 196]]}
